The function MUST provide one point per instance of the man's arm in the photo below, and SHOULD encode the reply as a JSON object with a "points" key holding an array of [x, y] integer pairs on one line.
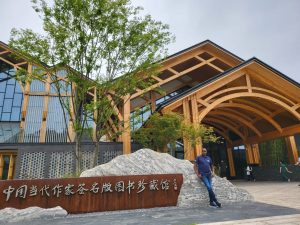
{"points": [[196, 169]]}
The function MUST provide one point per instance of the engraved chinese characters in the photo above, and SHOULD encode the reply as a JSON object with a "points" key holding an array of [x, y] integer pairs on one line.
{"points": [[93, 194], [57, 190]]}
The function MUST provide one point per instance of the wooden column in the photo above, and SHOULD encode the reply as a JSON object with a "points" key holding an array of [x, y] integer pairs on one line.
{"points": [[188, 151], [126, 120], [256, 155], [153, 101], [249, 154], [196, 123], [292, 149], [11, 167], [230, 162], [24, 105]]}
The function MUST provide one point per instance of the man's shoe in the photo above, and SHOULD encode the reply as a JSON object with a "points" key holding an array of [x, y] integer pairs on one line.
{"points": [[218, 204], [212, 204]]}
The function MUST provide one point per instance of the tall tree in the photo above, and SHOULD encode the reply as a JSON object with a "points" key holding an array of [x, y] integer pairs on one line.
{"points": [[97, 41]]}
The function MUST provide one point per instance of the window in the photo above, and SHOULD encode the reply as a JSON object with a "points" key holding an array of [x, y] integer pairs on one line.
{"points": [[11, 95], [7, 162]]}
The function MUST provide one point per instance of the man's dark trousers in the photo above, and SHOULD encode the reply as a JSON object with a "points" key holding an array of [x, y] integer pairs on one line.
{"points": [[206, 179]]}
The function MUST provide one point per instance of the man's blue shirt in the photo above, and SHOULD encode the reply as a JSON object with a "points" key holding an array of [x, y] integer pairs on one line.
{"points": [[204, 164]]}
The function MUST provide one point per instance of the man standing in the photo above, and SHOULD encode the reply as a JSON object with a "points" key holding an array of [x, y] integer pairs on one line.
{"points": [[204, 170]]}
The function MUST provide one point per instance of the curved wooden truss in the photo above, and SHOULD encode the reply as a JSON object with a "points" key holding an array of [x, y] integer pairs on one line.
{"points": [[219, 103]]}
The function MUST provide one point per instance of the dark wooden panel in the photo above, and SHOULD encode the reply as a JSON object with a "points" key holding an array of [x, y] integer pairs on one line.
{"points": [[84, 198]]}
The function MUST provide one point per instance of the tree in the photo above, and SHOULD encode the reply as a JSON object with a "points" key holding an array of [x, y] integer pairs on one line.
{"points": [[198, 134], [96, 41], [161, 130]]}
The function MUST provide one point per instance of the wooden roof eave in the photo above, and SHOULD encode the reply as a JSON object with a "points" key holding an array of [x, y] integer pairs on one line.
{"points": [[236, 71]]}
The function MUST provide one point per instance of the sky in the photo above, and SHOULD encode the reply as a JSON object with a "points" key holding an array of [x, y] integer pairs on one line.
{"points": [[266, 29]]}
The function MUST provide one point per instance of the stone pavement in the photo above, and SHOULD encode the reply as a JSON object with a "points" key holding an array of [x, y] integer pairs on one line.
{"points": [[276, 193], [270, 208]]}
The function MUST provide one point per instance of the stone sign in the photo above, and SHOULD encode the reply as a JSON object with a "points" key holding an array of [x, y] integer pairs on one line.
{"points": [[93, 194]]}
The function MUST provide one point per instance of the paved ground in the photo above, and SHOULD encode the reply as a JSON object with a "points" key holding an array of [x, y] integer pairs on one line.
{"points": [[276, 203], [276, 193]]}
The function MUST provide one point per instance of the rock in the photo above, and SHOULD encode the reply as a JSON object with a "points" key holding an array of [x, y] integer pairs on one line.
{"points": [[9, 215], [147, 161]]}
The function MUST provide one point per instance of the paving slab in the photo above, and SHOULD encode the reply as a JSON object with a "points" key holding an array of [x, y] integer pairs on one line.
{"points": [[274, 203]]}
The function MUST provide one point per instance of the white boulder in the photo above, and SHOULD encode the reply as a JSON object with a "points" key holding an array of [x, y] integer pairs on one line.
{"points": [[12, 215], [147, 161]]}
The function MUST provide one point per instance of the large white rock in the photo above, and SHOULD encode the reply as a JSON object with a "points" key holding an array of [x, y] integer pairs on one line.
{"points": [[9, 215], [147, 161]]}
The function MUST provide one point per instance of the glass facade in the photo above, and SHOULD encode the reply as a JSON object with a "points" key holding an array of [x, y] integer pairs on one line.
{"points": [[33, 119], [11, 99], [139, 117], [57, 123], [11, 96]]}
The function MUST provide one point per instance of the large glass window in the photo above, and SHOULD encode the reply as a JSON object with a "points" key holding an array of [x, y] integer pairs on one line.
{"points": [[11, 95], [34, 118], [57, 123], [139, 117]]}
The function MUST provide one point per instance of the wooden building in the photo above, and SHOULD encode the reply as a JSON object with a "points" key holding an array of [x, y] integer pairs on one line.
{"points": [[246, 102]]}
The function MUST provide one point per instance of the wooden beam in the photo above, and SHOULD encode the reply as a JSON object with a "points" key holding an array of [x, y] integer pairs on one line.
{"points": [[10, 63], [126, 137], [247, 94], [288, 131], [188, 152], [195, 113], [248, 81], [11, 167], [224, 123], [227, 90], [170, 78], [209, 88], [240, 119], [253, 110], [256, 154], [153, 101], [249, 154], [120, 117], [21, 63], [230, 162], [4, 52], [292, 149], [276, 94]]}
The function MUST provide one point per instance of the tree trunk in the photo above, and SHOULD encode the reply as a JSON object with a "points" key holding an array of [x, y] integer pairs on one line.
{"points": [[78, 154], [96, 153]]}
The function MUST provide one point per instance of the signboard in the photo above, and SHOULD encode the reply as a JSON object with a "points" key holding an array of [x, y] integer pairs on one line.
{"points": [[93, 194]]}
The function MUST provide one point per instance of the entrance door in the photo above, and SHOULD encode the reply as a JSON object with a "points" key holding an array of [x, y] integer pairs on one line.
{"points": [[7, 165], [240, 163]]}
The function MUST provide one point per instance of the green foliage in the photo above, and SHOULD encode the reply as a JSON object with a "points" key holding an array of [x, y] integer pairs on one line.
{"points": [[95, 42], [198, 134], [271, 152], [161, 130]]}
